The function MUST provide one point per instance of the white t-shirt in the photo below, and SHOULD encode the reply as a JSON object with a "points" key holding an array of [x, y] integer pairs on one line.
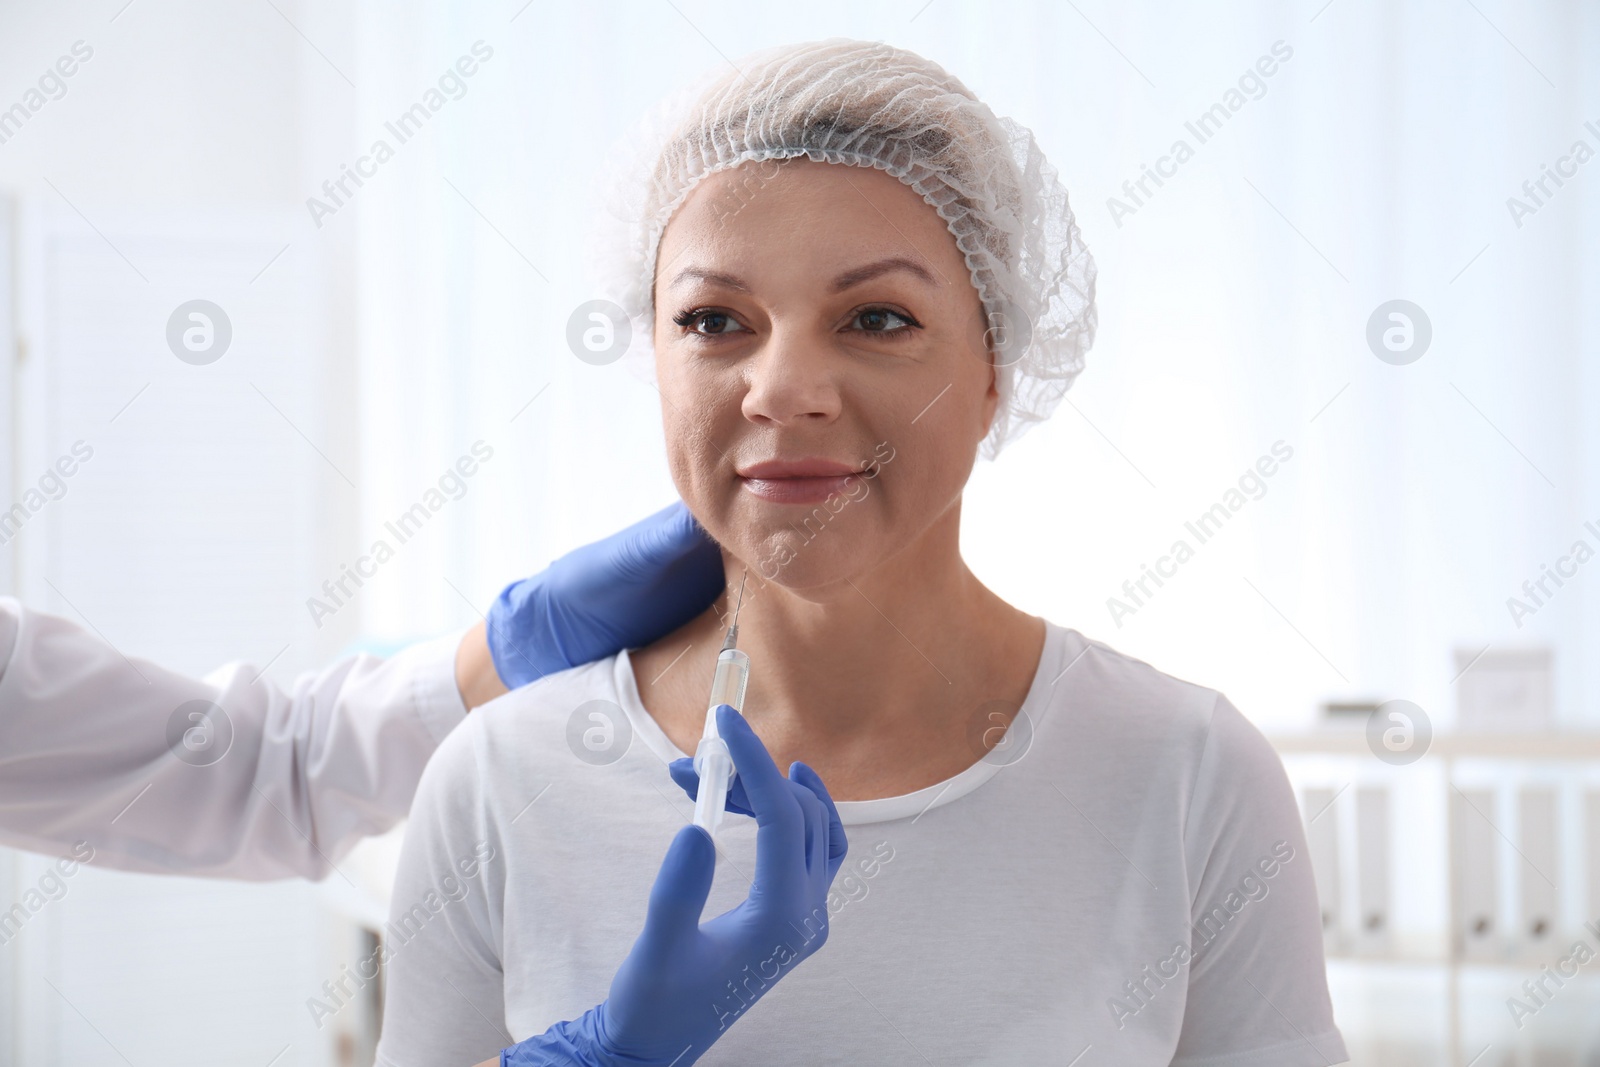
{"points": [[1130, 886]]}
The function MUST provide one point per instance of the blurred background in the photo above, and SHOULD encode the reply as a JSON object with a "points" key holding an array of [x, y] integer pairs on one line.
{"points": [[1368, 261]]}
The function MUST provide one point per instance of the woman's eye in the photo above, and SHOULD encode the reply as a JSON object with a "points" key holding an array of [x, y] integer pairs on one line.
{"points": [[883, 321], [708, 323]]}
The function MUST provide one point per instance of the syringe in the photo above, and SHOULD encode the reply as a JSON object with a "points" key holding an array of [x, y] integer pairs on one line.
{"points": [[712, 761]]}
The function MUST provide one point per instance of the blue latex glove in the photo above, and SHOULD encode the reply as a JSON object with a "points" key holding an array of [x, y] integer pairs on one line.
{"points": [[685, 982], [622, 592]]}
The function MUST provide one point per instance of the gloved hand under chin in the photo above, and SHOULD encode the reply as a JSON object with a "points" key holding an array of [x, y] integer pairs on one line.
{"points": [[622, 592], [685, 982]]}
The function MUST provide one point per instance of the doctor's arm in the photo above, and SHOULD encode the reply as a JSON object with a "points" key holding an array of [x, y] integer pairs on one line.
{"points": [[233, 776], [228, 775]]}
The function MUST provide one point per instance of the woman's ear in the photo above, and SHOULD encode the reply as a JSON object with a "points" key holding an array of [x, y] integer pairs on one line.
{"points": [[991, 401], [985, 351]]}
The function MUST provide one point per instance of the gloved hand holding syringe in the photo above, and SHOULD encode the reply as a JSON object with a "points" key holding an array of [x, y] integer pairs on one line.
{"points": [[669, 1001], [712, 761]]}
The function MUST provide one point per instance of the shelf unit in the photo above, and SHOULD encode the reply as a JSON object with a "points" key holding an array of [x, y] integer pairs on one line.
{"points": [[1484, 814]]}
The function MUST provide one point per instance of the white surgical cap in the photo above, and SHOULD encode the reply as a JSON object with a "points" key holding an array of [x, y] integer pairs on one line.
{"points": [[868, 104]]}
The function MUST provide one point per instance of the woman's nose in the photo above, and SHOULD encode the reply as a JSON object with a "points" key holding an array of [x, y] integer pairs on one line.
{"points": [[791, 381]]}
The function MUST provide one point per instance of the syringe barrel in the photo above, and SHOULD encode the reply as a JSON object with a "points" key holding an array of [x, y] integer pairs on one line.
{"points": [[712, 761], [727, 686]]}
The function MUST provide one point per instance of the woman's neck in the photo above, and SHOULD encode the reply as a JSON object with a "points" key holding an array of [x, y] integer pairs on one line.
{"points": [[894, 660]]}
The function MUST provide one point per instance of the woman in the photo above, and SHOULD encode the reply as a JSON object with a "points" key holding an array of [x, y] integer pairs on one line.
{"points": [[853, 277]]}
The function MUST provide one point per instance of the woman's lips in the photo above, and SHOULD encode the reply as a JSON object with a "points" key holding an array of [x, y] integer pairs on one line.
{"points": [[801, 481]]}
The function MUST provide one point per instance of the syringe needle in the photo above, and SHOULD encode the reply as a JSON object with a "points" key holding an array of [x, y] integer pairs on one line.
{"points": [[733, 630]]}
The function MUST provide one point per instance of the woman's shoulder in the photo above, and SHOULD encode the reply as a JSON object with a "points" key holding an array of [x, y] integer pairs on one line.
{"points": [[1128, 721], [1121, 697], [1094, 676], [529, 722]]}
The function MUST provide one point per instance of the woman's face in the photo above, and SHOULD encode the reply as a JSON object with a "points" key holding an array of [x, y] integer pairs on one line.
{"points": [[820, 351]]}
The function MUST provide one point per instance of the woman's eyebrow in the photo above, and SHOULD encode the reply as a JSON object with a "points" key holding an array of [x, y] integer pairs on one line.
{"points": [[855, 277], [715, 277], [847, 280]]}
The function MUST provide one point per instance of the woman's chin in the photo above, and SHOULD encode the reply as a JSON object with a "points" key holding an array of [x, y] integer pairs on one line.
{"points": [[797, 562]]}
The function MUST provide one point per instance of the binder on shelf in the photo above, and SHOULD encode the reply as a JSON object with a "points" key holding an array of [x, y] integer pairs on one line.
{"points": [[1539, 875], [1322, 841], [1591, 844], [1372, 870], [1474, 895]]}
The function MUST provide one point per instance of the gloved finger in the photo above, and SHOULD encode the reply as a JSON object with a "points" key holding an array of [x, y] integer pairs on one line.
{"points": [[767, 790], [780, 824], [816, 828], [838, 844], [668, 537], [738, 799], [517, 660], [678, 897], [683, 772]]}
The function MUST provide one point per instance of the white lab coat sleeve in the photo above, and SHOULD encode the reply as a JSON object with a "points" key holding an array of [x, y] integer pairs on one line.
{"points": [[88, 742]]}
